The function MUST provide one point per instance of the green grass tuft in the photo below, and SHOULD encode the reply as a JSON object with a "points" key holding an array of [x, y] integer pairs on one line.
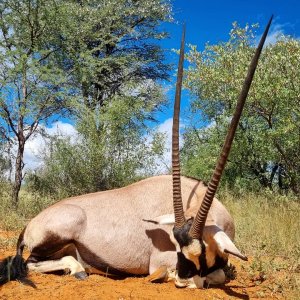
{"points": [[30, 204], [265, 226], [267, 229]]}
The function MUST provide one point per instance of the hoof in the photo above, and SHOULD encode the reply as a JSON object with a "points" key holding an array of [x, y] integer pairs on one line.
{"points": [[159, 276], [81, 275]]}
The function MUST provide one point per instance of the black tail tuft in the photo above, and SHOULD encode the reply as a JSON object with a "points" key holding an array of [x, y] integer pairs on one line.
{"points": [[14, 268]]}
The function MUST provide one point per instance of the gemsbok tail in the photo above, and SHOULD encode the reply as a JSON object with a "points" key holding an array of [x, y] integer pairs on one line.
{"points": [[15, 267]]}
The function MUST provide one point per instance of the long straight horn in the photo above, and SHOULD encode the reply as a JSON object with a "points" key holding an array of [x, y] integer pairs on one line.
{"points": [[196, 230], [177, 199]]}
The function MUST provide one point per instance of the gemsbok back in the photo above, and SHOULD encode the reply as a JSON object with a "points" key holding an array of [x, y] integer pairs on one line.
{"points": [[128, 231]]}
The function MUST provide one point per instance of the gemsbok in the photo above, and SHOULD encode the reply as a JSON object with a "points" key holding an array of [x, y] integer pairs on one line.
{"points": [[128, 231]]}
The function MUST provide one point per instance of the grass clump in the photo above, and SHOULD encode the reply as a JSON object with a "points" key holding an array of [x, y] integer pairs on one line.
{"points": [[265, 226], [13, 220], [30, 204], [267, 230]]}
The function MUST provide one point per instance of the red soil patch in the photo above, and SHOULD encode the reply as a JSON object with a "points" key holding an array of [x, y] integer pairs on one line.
{"points": [[8, 234], [99, 287]]}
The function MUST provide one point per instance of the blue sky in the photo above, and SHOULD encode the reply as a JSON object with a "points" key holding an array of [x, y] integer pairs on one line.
{"points": [[212, 20], [205, 21]]}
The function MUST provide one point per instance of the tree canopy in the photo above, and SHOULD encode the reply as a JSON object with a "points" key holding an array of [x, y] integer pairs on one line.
{"points": [[89, 58], [110, 45], [267, 146], [32, 87]]}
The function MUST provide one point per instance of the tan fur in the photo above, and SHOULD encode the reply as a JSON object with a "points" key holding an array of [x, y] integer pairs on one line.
{"points": [[108, 226], [192, 252]]}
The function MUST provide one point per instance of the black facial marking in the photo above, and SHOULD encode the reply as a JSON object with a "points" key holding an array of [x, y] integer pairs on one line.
{"points": [[185, 267], [182, 234], [220, 263]]}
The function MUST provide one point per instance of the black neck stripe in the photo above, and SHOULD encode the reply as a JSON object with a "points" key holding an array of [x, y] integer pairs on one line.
{"points": [[220, 263]]}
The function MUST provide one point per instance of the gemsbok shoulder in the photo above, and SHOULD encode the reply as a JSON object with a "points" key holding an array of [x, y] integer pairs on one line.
{"points": [[138, 229]]}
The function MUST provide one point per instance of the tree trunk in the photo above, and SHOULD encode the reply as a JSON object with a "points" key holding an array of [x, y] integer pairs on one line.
{"points": [[274, 170], [259, 170], [18, 172], [21, 143]]}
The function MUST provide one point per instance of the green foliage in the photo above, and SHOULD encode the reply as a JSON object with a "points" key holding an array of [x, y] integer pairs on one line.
{"points": [[56, 56], [266, 148], [109, 45], [32, 87], [110, 52], [112, 149]]}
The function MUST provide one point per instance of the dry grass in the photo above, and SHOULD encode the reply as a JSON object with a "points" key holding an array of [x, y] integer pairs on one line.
{"points": [[267, 228], [30, 204]]}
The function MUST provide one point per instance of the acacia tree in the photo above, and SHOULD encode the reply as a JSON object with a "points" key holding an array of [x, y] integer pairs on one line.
{"points": [[110, 50], [97, 53], [111, 45], [32, 88], [99, 159], [266, 149]]}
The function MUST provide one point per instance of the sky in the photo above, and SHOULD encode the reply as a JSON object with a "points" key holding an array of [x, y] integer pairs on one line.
{"points": [[206, 21], [211, 21]]}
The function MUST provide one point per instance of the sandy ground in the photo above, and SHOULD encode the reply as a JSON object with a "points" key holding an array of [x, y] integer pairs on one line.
{"points": [[51, 286]]}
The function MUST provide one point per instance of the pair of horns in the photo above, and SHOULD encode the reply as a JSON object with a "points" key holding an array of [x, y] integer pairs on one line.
{"points": [[196, 230]]}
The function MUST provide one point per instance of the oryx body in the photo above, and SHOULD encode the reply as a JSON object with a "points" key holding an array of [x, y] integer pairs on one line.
{"points": [[106, 231], [128, 230]]}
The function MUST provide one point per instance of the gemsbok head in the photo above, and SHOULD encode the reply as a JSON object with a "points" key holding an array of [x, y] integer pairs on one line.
{"points": [[202, 247]]}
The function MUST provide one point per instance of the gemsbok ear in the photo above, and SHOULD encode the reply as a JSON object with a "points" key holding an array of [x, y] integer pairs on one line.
{"points": [[225, 245], [168, 219]]}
